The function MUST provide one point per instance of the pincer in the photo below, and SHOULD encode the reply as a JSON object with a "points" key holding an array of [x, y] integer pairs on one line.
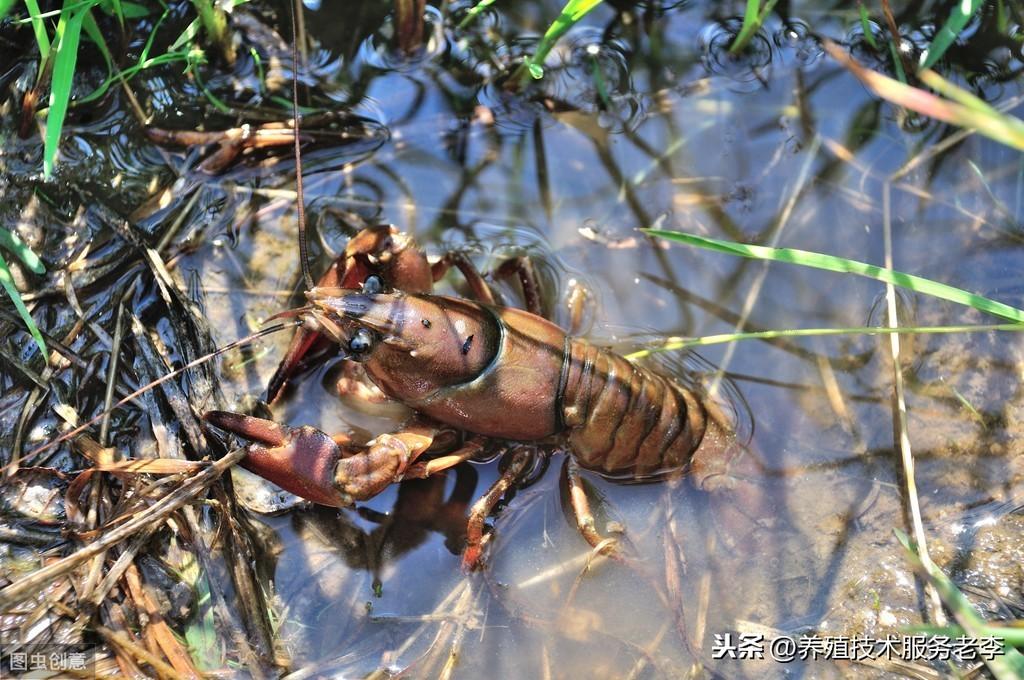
{"points": [[324, 469]]}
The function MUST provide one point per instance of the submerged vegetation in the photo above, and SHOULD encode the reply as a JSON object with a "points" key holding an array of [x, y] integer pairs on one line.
{"points": [[659, 158]]}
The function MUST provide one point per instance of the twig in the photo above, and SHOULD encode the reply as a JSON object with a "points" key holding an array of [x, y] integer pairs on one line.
{"points": [[139, 652], [25, 588], [115, 356], [906, 455]]}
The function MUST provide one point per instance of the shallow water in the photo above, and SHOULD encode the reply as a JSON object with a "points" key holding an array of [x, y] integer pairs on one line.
{"points": [[656, 127]]}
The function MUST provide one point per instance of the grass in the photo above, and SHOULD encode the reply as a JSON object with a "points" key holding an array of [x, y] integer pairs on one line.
{"points": [[1006, 666], [10, 241], [952, 105], [58, 59], [950, 31], [174, 53], [68, 33], [897, 62], [58, 54], [865, 25], [832, 263], [215, 24], [473, 12], [571, 14], [39, 29], [753, 19], [201, 633], [678, 343]]}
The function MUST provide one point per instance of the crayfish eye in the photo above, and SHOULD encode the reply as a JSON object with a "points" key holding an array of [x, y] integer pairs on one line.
{"points": [[361, 342], [373, 285]]}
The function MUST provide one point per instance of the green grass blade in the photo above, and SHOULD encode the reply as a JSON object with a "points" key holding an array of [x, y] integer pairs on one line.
{"points": [[947, 35], [63, 11], [126, 74], [748, 27], [186, 36], [897, 61], [134, 10], [211, 97], [5, 7], [69, 30], [123, 9], [831, 263], [677, 343], [1002, 18], [7, 281], [1012, 636], [213, 17], [200, 633], [190, 32], [118, 12], [12, 242], [573, 11], [752, 21], [93, 31], [473, 12], [1009, 665], [143, 63], [39, 29], [865, 25], [261, 75]]}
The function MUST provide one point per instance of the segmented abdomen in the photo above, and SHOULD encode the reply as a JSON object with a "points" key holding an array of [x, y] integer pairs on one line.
{"points": [[624, 420]]}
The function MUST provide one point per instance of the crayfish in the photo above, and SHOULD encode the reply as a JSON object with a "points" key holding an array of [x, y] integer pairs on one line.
{"points": [[490, 371]]}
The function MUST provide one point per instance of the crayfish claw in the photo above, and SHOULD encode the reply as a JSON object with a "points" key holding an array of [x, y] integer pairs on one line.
{"points": [[256, 429], [301, 460], [304, 342]]}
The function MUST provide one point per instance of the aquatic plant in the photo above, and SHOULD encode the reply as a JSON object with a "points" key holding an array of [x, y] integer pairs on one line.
{"points": [[753, 19], [533, 66], [58, 53], [10, 241], [952, 105]]}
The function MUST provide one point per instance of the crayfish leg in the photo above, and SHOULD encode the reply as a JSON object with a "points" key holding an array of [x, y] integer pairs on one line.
{"points": [[435, 465], [585, 521], [478, 288], [476, 539], [522, 269]]}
